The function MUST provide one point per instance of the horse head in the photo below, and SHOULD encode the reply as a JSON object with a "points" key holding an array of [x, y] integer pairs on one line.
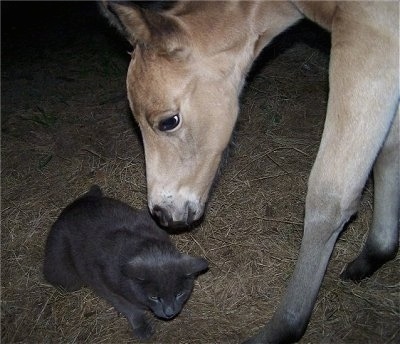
{"points": [[183, 88]]}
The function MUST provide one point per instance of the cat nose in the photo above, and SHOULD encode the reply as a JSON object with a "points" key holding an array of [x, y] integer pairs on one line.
{"points": [[169, 312]]}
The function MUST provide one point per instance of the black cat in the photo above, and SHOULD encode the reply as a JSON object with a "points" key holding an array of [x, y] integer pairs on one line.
{"points": [[123, 256]]}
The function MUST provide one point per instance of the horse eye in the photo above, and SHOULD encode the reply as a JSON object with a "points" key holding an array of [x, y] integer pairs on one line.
{"points": [[169, 123], [154, 298]]}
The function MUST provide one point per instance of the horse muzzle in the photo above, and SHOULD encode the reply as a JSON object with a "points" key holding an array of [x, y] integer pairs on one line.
{"points": [[168, 216]]}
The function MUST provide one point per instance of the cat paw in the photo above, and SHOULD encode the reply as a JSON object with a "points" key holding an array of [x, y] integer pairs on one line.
{"points": [[143, 332]]}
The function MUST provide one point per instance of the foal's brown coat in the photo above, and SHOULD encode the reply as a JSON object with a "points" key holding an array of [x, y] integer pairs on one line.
{"points": [[187, 70]]}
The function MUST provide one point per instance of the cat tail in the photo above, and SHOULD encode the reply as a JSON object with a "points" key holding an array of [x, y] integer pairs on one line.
{"points": [[94, 191]]}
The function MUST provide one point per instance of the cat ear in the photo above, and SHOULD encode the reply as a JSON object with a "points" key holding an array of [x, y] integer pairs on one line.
{"points": [[194, 265], [134, 269]]}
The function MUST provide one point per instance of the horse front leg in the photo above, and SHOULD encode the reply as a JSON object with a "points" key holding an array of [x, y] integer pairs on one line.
{"points": [[362, 102], [323, 222]]}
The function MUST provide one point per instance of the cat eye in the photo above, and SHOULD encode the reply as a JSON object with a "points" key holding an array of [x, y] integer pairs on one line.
{"points": [[169, 123], [180, 294]]}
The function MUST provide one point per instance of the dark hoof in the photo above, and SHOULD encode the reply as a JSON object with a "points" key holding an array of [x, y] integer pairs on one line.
{"points": [[357, 270]]}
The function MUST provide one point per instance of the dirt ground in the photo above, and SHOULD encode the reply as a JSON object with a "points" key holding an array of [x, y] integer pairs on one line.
{"points": [[66, 125]]}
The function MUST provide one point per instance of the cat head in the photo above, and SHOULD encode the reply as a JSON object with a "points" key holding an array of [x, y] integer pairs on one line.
{"points": [[163, 281]]}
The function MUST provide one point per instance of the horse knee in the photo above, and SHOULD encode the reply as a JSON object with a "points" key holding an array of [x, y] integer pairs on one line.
{"points": [[329, 210]]}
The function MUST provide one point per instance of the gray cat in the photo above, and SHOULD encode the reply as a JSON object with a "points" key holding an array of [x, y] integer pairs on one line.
{"points": [[123, 256]]}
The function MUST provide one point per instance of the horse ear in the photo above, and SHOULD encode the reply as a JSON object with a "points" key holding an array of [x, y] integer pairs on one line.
{"points": [[148, 27], [128, 19]]}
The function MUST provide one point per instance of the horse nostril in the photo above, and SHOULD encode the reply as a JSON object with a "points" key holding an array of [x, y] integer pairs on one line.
{"points": [[161, 215], [190, 217]]}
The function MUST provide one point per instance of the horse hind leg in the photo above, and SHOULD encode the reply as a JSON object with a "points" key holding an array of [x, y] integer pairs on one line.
{"points": [[382, 242]]}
